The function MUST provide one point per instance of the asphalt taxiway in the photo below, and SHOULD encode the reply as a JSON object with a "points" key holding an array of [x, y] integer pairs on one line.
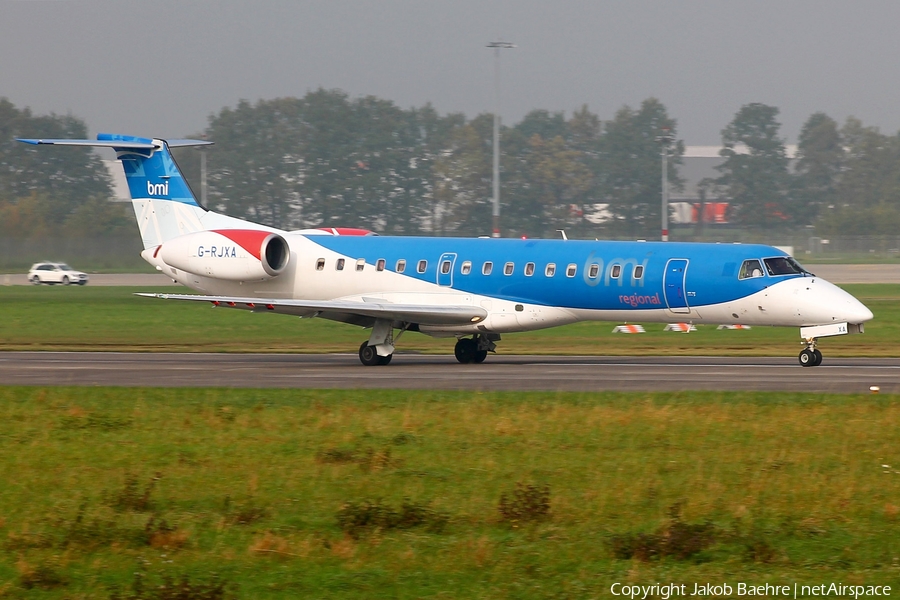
{"points": [[413, 371]]}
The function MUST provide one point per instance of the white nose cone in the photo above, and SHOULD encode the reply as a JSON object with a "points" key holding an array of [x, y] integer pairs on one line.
{"points": [[859, 313], [805, 302], [823, 303]]}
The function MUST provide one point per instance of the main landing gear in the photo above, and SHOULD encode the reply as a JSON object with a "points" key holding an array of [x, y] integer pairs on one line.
{"points": [[810, 356], [368, 356], [468, 350], [383, 339], [475, 349]]}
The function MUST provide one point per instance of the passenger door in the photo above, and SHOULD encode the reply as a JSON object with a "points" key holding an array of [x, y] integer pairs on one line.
{"points": [[673, 285], [445, 269]]}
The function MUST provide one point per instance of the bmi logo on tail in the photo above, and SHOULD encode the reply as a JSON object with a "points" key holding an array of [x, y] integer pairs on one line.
{"points": [[158, 189]]}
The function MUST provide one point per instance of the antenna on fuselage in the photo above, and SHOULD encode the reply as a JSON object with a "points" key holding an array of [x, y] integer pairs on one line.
{"points": [[562, 232]]}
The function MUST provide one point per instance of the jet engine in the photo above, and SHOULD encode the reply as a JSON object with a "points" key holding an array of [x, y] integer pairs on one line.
{"points": [[231, 254]]}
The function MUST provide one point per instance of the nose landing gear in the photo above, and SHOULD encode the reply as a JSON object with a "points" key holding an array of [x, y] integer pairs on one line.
{"points": [[810, 356]]}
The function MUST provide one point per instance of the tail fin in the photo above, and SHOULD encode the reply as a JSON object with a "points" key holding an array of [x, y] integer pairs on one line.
{"points": [[164, 205], [150, 170]]}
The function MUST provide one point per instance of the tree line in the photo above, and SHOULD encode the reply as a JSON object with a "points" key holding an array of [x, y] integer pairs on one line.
{"points": [[53, 191], [844, 179], [327, 159]]}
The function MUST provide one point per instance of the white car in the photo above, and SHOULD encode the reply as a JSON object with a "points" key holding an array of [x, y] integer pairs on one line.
{"points": [[50, 273]]}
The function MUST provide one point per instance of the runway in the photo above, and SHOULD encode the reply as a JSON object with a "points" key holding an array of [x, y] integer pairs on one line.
{"points": [[412, 371]]}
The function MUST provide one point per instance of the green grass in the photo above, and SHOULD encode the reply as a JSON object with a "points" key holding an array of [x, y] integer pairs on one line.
{"points": [[247, 485], [849, 258], [112, 318]]}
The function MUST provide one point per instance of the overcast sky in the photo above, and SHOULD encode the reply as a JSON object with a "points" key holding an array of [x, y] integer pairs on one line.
{"points": [[160, 68]]}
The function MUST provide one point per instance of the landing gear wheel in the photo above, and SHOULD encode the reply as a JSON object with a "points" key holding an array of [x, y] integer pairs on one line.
{"points": [[466, 350], [385, 360], [480, 355], [368, 355], [807, 358], [818, 358]]}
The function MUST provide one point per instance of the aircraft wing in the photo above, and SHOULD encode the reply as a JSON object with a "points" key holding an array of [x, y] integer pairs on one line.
{"points": [[356, 312]]}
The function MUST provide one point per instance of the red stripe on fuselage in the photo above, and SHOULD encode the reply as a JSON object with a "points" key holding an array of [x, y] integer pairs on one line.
{"points": [[249, 239], [345, 231]]}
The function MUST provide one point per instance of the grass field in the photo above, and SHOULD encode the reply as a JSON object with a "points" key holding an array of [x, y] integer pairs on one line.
{"points": [[97, 318], [397, 494], [365, 494]]}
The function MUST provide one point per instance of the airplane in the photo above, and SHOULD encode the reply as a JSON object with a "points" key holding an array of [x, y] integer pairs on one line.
{"points": [[471, 289]]}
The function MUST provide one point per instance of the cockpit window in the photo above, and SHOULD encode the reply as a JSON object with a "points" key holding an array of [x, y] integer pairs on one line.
{"points": [[784, 265], [751, 268]]}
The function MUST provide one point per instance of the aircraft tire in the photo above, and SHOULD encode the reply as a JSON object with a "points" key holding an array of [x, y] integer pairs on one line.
{"points": [[807, 358], [368, 355], [466, 350], [480, 355], [818, 358], [385, 360]]}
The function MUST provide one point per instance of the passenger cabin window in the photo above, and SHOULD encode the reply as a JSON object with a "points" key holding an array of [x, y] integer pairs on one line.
{"points": [[529, 269], [339, 265], [593, 271], [379, 265], [423, 264], [638, 272], [401, 265], [550, 270], [508, 268], [571, 270], [487, 267], [360, 264], [615, 271], [750, 269], [320, 264], [784, 265], [445, 267], [466, 267]]}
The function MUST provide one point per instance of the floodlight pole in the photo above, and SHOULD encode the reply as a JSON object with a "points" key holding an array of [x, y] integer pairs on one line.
{"points": [[203, 178], [496, 203], [203, 187], [664, 140]]}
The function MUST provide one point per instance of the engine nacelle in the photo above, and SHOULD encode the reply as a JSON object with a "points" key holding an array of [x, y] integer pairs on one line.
{"points": [[232, 254]]}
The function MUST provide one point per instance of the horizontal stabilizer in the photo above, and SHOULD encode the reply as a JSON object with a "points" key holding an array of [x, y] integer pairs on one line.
{"points": [[185, 143], [91, 143], [164, 204], [107, 140]]}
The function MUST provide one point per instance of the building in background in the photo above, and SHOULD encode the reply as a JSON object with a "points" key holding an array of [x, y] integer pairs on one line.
{"points": [[699, 163]]}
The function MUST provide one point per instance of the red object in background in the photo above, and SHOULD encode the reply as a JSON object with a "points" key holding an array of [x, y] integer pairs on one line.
{"points": [[713, 212]]}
